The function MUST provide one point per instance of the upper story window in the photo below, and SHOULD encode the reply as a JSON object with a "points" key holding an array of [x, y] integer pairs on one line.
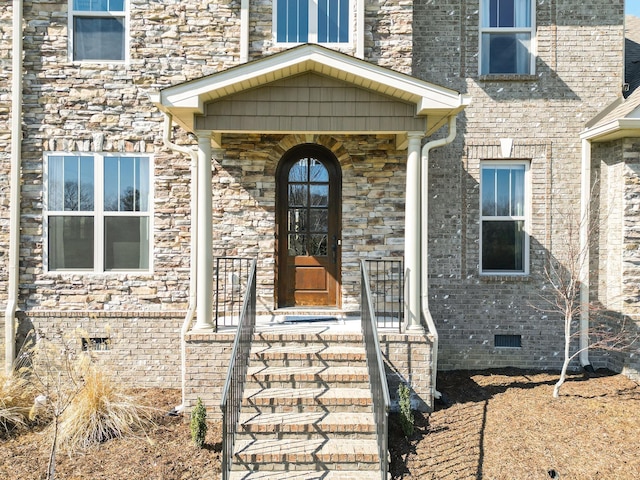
{"points": [[503, 218], [506, 37], [98, 212], [98, 29], [312, 21]]}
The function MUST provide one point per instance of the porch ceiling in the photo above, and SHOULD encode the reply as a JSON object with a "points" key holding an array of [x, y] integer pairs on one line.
{"points": [[187, 100]]}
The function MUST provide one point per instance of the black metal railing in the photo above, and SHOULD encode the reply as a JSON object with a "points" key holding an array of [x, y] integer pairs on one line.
{"points": [[386, 280], [234, 385], [232, 276], [377, 375]]}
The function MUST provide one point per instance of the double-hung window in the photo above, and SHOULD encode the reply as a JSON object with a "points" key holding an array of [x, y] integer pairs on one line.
{"points": [[98, 212], [503, 218], [312, 21], [506, 37], [98, 29]]}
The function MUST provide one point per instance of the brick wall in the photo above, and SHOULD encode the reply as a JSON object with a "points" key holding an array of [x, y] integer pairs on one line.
{"points": [[407, 359], [141, 349], [578, 73], [208, 356]]}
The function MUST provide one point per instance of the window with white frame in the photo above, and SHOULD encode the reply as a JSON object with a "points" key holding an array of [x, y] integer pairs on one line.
{"points": [[98, 212], [506, 37], [312, 21], [98, 29], [503, 218]]}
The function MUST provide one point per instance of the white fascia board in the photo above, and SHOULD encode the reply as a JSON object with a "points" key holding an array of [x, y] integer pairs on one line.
{"points": [[442, 106], [613, 130]]}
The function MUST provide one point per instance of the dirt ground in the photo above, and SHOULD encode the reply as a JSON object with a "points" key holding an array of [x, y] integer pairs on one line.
{"points": [[504, 424], [500, 424], [166, 452]]}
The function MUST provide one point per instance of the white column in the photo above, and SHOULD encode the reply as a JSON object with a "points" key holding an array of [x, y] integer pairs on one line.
{"points": [[204, 288], [412, 235], [244, 31], [360, 12]]}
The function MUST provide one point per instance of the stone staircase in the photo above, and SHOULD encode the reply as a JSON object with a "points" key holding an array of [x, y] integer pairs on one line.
{"points": [[307, 408]]}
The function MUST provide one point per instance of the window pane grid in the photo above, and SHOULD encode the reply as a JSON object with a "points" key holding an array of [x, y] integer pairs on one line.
{"points": [[98, 30], [99, 5], [506, 33], [301, 21], [503, 223], [98, 239]]}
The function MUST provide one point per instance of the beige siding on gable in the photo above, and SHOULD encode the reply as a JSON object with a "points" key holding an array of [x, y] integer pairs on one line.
{"points": [[310, 103]]}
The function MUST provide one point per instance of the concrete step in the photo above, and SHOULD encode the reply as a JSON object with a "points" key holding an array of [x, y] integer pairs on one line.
{"points": [[303, 454], [307, 425], [306, 355], [280, 338], [273, 400], [306, 475], [307, 376]]}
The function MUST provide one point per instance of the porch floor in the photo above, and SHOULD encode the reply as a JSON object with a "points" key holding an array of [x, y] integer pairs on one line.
{"points": [[310, 322]]}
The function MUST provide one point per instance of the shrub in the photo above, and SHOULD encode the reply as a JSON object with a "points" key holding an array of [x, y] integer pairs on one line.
{"points": [[198, 424], [101, 411], [16, 398], [406, 414]]}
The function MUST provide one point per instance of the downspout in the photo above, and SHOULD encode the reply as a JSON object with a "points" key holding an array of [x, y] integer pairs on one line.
{"points": [[424, 237], [166, 139], [14, 201], [585, 223]]}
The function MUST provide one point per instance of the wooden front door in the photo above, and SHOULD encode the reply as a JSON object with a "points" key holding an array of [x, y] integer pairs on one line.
{"points": [[308, 234]]}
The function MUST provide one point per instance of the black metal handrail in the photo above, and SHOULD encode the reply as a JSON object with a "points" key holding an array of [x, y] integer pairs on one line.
{"points": [[377, 375], [386, 280], [234, 385], [232, 278]]}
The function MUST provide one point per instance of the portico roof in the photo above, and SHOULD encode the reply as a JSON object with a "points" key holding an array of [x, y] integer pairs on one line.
{"points": [[188, 100], [619, 120]]}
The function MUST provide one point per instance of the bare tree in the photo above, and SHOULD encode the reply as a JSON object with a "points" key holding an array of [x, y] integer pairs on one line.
{"points": [[56, 372], [607, 330]]}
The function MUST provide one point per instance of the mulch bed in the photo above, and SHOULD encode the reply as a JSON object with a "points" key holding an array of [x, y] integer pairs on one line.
{"points": [[495, 424], [504, 424]]}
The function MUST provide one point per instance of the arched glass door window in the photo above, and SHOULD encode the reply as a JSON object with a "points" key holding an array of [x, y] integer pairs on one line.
{"points": [[308, 208]]}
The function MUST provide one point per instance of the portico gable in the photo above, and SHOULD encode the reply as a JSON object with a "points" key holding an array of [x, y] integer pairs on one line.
{"points": [[315, 90]]}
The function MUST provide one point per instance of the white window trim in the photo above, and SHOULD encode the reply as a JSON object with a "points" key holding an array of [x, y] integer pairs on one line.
{"points": [[526, 217], [83, 13], [313, 26], [531, 30], [97, 213]]}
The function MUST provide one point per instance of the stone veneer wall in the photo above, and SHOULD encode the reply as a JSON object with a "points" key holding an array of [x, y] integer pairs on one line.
{"points": [[615, 278], [373, 186], [631, 250], [104, 107]]}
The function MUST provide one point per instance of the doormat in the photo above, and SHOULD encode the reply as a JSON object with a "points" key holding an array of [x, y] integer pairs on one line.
{"points": [[308, 319]]}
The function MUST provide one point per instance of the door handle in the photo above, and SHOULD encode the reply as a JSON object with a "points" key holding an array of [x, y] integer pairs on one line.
{"points": [[334, 247]]}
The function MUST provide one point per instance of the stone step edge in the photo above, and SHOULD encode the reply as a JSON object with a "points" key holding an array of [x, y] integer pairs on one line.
{"points": [[309, 377], [311, 356], [306, 475], [306, 451], [311, 338]]}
